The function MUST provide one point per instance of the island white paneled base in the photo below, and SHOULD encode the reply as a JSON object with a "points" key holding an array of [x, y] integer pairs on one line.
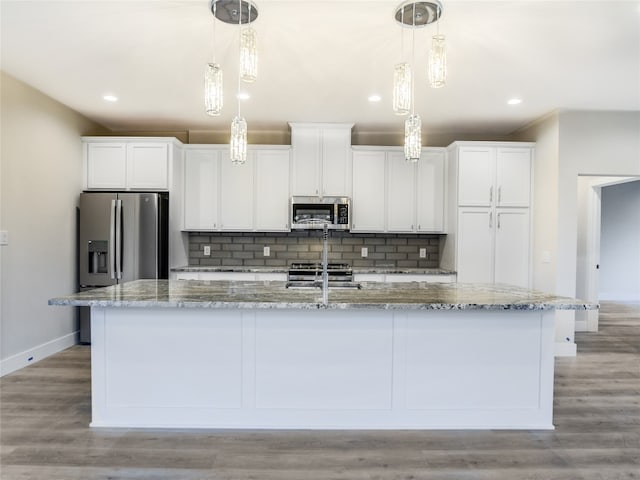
{"points": [[322, 369]]}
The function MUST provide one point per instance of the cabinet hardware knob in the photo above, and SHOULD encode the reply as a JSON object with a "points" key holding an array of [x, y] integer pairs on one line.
{"points": [[491, 193]]}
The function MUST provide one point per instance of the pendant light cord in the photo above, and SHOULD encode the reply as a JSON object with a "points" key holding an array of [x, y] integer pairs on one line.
{"points": [[239, 52], [402, 35], [215, 6], [413, 58]]}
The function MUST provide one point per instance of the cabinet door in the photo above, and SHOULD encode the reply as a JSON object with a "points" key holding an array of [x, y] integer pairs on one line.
{"points": [[513, 177], [106, 165], [475, 176], [336, 161], [475, 245], [201, 189], [236, 193], [401, 193], [272, 190], [148, 166], [368, 201], [430, 192], [512, 239], [306, 149]]}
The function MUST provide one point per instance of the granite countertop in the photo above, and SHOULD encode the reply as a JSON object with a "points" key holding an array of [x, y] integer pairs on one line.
{"points": [[274, 295], [376, 270]]}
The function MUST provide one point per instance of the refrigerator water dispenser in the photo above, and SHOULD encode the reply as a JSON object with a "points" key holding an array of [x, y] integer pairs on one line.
{"points": [[98, 256]]}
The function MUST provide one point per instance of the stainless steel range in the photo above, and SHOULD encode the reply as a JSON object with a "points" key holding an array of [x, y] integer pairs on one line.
{"points": [[310, 275]]}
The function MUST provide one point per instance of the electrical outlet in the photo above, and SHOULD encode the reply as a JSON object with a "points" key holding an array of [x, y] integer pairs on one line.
{"points": [[423, 253], [4, 237], [207, 250], [266, 251], [364, 252]]}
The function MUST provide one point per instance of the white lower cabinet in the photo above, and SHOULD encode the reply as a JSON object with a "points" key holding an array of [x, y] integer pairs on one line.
{"points": [[403, 277], [493, 245], [221, 196], [232, 276], [393, 195], [512, 249]]}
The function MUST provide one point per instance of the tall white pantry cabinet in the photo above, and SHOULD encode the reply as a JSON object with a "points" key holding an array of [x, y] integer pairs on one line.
{"points": [[489, 238]]}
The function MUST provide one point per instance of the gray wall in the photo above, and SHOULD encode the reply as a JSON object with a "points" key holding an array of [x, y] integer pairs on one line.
{"points": [[40, 177], [384, 250], [620, 242]]}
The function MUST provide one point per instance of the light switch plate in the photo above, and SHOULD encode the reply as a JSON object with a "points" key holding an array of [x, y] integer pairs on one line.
{"points": [[266, 251], [207, 250], [423, 253], [364, 252], [4, 237]]}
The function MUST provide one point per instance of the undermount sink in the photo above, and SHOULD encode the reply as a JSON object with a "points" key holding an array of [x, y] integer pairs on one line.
{"points": [[318, 284]]}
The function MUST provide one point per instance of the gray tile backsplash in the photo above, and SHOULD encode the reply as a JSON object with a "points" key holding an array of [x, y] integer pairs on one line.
{"points": [[246, 249]]}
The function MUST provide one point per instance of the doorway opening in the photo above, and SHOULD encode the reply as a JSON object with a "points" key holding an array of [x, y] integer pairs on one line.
{"points": [[589, 251]]}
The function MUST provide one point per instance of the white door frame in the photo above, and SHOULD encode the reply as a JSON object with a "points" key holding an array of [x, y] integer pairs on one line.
{"points": [[594, 212]]}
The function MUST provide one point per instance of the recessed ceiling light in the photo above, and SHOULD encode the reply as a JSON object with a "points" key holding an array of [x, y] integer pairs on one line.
{"points": [[514, 101], [242, 96], [374, 98], [110, 98]]}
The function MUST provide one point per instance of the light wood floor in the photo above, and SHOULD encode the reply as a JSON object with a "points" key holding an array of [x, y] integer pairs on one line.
{"points": [[46, 407]]}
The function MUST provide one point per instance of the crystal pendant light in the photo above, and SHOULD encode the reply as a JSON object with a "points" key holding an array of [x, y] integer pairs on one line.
{"points": [[437, 58], [213, 92], [402, 80], [213, 89], [413, 138], [248, 55], [402, 89], [238, 142]]}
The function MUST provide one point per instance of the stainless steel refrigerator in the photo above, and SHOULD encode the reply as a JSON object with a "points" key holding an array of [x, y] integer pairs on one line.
{"points": [[122, 237]]}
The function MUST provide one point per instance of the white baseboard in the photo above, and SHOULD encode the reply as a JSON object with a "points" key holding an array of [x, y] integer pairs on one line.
{"points": [[33, 355], [619, 297], [581, 326], [565, 349]]}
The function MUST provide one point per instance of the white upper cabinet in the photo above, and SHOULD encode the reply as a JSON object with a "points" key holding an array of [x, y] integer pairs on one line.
{"points": [[513, 177], [236, 193], [272, 190], [201, 177], [221, 196], [393, 195], [106, 165], [112, 163], [499, 176], [401, 193], [368, 201], [430, 192], [476, 176], [321, 159], [148, 165]]}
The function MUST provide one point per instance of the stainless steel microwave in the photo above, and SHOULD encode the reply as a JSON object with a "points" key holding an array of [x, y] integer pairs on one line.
{"points": [[315, 212]]}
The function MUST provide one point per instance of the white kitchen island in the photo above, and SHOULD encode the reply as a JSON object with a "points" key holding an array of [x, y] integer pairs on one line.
{"points": [[198, 354]]}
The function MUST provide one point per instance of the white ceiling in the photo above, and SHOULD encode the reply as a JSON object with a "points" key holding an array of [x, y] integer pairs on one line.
{"points": [[320, 60]]}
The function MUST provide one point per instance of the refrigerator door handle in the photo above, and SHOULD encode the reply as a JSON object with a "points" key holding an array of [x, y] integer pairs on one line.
{"points": [[118, 239], [112, 241]]}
